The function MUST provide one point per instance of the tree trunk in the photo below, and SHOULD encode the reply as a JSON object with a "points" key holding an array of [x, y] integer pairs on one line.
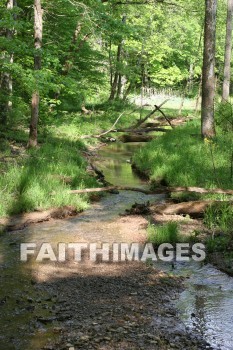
{"points": [[227, 59], [198, 96], [119, 86], [127, 91], [117, 76], [38, 31], [208, 76], [6, 79], [114, 87]]}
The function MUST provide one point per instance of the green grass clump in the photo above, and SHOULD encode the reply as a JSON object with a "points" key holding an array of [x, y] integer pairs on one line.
{"points": [[219, 216], [43, 177], [217, 244], [167, 233], [182, 158]]}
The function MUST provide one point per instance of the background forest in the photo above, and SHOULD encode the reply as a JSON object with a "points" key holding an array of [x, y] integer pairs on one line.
{"points": [[95, 50]]}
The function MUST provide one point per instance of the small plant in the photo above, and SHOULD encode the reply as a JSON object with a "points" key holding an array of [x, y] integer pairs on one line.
{"points": [[168, 233], [224, 116], [217, 244]]}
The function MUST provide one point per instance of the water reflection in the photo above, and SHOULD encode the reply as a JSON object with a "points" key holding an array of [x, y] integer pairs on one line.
{"points": [[115, 163]]}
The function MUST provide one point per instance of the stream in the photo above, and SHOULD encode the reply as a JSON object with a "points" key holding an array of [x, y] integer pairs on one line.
{"points": [[205, 306]]}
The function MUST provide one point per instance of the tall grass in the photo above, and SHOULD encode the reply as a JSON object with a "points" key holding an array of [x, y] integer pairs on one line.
{"points": [[167, 233], [182, 158], [43, 177], [219, 216]]}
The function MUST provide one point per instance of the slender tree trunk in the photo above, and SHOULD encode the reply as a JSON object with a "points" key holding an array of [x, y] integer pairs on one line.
{"points": [[6, 79], [227, 59], [208, 76], [119, 86], [188, 87], [110, 62], [114, 87], [38, 31], [198, 96], [127, 91], [117, 77]]}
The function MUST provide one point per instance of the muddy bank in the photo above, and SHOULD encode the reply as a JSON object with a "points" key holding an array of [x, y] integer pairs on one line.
{"points": [[222, 261], [19, 222], [119, 307]]}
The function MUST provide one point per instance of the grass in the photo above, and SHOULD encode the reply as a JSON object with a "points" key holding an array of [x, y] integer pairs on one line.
{"points": [[41, 178], [183, 159], [167, 233], [219, 217]]}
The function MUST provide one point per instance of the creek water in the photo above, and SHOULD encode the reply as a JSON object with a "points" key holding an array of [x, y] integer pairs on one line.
{"points": [[205, 306]]}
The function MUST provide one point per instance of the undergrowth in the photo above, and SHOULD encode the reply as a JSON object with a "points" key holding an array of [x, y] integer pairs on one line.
{"points": [[181, 158], [41, 178], [167, 233]]}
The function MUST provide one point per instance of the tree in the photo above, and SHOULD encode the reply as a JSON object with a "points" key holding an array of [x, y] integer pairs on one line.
{"points": [[227, 58], [208, 73], [6, 79], [38, 32], [117, 77]]}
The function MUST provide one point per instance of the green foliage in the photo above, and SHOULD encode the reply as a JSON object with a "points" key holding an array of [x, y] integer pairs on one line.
{"points": [[220, 216], [183, 159], [43, 177], [167, 233], [224, 117], [217, 244]]}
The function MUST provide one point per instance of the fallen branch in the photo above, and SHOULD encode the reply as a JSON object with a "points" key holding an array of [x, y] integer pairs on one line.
{"points": [[112, 127], [19, 222], [140, 122], [141, 130], [165, 117], [110, 188], [194, 189], [135, 138], [108, 131], [195, 209], [157, 191]]}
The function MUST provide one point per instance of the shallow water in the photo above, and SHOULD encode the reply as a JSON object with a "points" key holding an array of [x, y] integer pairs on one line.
{"points": [[115, 163], [206, 305]]}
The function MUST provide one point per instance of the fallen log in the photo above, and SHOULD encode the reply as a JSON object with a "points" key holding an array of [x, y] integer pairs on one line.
{"points": [[19, 222], [110, 188], [140, 122], [135, 138], [165, 117], [194, 189], [195, 209], [141, 130], [129, 129], [157, 191]]}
